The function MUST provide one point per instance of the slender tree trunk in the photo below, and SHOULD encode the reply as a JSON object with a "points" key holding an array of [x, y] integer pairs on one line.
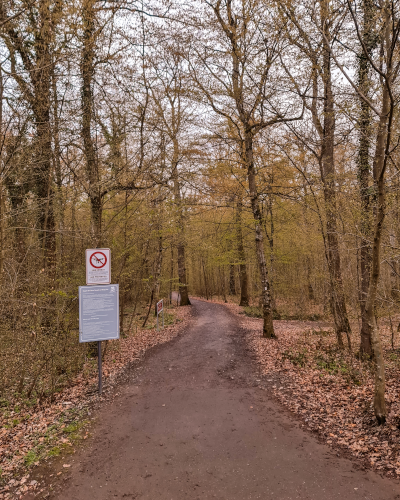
{"points": [[183, 286], [222, 281], [41, 105], [139, 280], [1, 183], [205, 279], [44, 189], [172, 273], [243, 279], [157, 273], [310, 289], [268, 327], [364, 176], [73, 219], [57, 167], [121, 277], [232, 284], [87, 73], [379, 167], [271, 247], [327, 167], [159, 266]]}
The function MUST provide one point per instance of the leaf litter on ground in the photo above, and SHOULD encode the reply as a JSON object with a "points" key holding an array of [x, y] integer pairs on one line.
{"points": [[31, 433], [331, 389]]}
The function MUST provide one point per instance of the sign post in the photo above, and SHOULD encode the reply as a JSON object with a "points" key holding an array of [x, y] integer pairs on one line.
{"points": [[160, 308], [99, 360], [98, 272]]}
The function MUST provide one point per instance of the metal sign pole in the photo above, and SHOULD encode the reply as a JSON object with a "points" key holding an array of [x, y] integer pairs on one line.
{"points": [[98, 304], [100, 368], [158, 327], [163, 318]]}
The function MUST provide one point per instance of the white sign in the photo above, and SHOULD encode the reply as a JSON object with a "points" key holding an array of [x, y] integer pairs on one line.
{"points": [[98, 313], [98, 266], [160, 306]]}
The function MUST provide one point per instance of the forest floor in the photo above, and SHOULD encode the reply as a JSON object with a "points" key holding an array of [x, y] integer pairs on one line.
{"points": [[197, 420], [30, 435], [330, 389]]}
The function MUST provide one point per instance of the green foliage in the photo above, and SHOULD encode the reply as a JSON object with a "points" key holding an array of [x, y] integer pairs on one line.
{"points": [[30, 458], [253, 312], [54, 452], [298, 358], [73, 427], [333, 362]]}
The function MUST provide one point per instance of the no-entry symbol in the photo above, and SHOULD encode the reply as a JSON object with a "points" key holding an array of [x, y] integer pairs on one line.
{"points": [[98, 259], [98, 268]]}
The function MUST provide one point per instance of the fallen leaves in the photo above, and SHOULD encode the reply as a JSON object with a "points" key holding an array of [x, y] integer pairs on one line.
{"points": [[331, 390], [28, 434]]}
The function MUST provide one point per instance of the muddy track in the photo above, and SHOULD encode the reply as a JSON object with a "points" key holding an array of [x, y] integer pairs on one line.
{"points": [[194, 423]]}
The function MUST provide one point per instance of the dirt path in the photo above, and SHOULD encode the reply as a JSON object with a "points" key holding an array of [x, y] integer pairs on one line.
{"points": [[193, 424]]}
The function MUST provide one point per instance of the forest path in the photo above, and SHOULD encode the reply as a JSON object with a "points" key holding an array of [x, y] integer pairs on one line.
{"points": [[193, 424]]}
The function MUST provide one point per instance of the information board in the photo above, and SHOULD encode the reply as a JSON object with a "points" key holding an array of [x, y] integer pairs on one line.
{"points": [[98, 266], [98, 313]]}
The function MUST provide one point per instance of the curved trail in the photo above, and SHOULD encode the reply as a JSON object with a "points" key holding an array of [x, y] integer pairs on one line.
{"points": [[192, 424]]}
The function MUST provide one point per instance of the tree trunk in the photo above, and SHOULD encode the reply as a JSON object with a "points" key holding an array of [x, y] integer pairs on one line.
{"points": [[364, 175], [35, 85], [379, 167], [268, 327], [205, 279], [42, 113], [394, 270], [157, 273], [57, 167], [2, 211], [271, 247], [327, 167], [183, 287], [44, 189], [243, 280], [232, 284], [310, 289], [87, 73], [222, 281]]}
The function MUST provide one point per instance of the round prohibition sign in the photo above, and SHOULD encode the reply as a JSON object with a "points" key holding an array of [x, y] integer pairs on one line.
{"points": [[98, 260]]}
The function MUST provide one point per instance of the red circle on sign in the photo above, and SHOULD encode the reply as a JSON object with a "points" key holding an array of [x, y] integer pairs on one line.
{"points": [[98, 260]]}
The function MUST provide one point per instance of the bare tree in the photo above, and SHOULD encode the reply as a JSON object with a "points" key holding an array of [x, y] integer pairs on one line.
{"points": [[314, 43], [30, 38], [173, 111], [364, 170], [243, 89], [386, 65]]}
